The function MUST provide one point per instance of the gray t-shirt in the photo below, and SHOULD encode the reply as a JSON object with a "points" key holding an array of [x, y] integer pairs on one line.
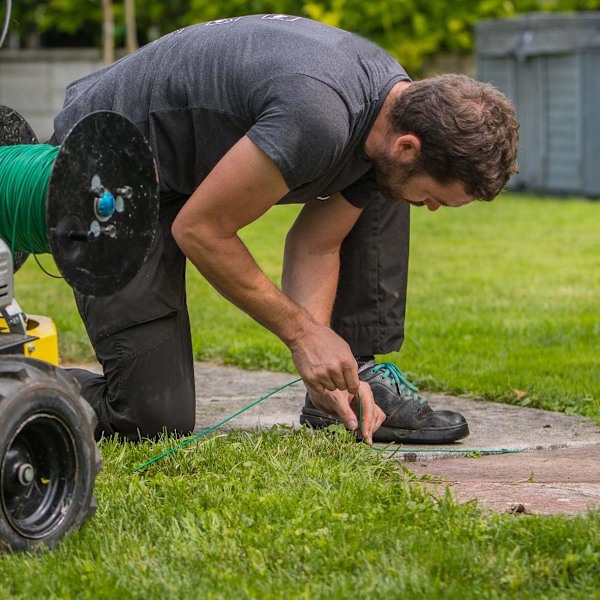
{"points": [[305, 93]]}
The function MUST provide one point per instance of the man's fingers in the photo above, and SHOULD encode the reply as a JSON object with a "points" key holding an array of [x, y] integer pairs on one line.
{"points": [[346, 414], [367, 421], [317, 387], [337, 404], [358, 411], [351, 380], [371, 415], [321, 385], [339, 380], [346, 379]]}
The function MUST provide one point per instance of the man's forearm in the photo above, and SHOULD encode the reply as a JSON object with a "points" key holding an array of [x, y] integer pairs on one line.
{"points": [[323, 359], [311, 281], [228, 266], [241, 188]]}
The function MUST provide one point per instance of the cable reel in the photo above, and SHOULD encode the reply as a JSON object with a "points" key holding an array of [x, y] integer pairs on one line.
{"points": [[101, 203]]}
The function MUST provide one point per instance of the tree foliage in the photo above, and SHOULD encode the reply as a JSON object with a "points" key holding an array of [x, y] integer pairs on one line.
{"points": [[412, 30]]}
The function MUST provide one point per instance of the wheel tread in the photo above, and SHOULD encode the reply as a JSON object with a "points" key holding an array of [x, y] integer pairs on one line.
{"points": [[19, 375]]}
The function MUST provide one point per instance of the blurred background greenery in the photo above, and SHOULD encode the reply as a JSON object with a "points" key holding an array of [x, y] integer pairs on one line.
{"points": [[415, 31]]}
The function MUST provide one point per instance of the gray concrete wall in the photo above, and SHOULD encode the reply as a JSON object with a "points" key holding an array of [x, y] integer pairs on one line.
{"points": [[33, 82]]}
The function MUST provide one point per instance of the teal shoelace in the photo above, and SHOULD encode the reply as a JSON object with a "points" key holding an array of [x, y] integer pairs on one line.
{"points": [[391, 371]]}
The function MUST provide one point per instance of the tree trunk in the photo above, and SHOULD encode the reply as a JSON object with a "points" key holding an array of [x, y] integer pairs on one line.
{"points": [[132, 43], [108, 32]]}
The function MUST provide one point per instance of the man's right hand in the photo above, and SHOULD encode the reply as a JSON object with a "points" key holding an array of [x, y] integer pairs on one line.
{"points": [[324, 360], [329, 370]]}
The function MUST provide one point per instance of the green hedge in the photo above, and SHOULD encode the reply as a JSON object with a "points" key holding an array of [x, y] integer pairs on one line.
{"points": [[412, 30]]}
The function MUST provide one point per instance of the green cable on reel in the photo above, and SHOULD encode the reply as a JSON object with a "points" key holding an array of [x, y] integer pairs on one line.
{"points": [[24, 175], [91, 203]]}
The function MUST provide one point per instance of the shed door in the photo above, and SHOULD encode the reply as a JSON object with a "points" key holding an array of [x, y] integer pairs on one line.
{"points": [[563, 151]]}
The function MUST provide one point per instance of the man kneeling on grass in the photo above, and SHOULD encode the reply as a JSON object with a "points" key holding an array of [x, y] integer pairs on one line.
{"points": [[249, 112]]}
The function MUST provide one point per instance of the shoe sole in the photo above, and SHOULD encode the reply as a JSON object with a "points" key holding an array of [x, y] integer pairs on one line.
{"points": [[386, 435]]}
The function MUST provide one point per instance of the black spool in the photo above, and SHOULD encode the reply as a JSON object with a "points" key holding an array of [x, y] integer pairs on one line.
{"points": [[15, 130], [98, 252]]}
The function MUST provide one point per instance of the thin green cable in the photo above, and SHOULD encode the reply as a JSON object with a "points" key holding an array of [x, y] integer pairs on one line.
{"points": [[272, 393], [24, 175], [207, 431]]}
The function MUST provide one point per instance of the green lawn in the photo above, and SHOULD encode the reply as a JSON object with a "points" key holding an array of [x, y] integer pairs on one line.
{"points": [[506, 297], [298, 516], [503, 304]]}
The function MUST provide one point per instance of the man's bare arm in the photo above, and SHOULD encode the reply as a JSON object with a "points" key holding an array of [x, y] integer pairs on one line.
{"points": [[242, 187], [310, 276], [312, 254]]}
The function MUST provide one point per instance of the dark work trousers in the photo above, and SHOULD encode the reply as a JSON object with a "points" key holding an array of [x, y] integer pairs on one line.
{"points": [[371, 296], [142, 339], [141, 334]]}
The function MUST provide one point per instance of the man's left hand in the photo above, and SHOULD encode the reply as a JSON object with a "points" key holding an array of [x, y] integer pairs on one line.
{"points": [[345, 407]]}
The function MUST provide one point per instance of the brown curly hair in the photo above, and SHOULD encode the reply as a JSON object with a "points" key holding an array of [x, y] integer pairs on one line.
{"points": [[469, 131]]}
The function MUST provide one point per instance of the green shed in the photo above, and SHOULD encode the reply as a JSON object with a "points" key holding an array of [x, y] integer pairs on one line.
{"points": [[548, 64]]}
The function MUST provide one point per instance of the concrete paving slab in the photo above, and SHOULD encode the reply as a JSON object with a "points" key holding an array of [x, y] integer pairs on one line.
{"points": [[562, 480]]}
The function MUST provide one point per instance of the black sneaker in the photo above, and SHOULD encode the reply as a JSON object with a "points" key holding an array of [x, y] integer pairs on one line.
{"points": [[410, 419]]}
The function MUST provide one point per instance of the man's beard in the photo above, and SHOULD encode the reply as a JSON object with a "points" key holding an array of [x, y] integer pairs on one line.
{"points": [[392, 178]]}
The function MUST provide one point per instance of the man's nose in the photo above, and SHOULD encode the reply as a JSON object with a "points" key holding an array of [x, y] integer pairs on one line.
{"points": [[432, 205]]}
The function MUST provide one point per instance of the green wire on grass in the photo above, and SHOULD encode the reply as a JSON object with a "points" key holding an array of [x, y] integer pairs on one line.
{"points": [[245, 408], [210, 429]]}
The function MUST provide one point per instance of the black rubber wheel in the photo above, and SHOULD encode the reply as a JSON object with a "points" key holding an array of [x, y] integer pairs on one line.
{"points": [[48, 456]]}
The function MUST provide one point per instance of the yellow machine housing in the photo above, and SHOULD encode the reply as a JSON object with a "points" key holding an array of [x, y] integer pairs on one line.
{"points": [[42, 341]]}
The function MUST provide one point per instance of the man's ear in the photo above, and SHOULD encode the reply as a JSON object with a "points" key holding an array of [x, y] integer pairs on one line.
{"points": [[406, 148]]}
